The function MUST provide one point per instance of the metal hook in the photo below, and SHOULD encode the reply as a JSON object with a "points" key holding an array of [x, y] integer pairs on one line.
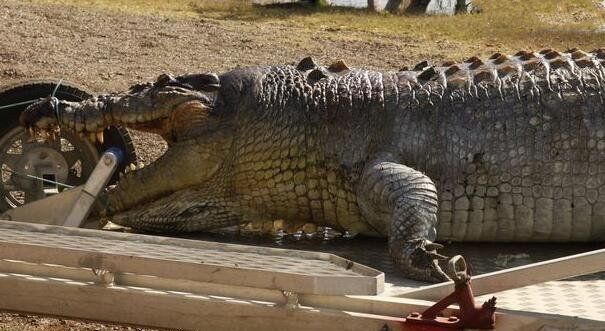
{"points": [[457, 269]]}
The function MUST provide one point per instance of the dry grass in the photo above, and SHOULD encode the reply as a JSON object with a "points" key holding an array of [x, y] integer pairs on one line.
{"points": [[507, 25]]}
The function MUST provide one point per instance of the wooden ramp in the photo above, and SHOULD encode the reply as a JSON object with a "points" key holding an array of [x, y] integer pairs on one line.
{"points": [[195, 285]]}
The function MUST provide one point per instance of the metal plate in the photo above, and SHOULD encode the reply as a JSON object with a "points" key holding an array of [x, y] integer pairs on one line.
{"points": [[585, 299]]}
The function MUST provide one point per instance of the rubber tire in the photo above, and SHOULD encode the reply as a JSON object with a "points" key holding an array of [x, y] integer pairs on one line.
{"points": [[31, 90]]}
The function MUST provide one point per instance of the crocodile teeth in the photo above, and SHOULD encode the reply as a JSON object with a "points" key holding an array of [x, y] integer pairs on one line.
{"points": [[100, 137]]}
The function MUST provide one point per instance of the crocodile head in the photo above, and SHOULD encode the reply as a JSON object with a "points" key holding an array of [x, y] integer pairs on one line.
{"points": [[180, 109], [156, 107]]}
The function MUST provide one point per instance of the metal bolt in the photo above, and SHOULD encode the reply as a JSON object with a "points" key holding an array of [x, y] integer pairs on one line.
{"points": [[107, 160], [414, 314], [104, 277]]}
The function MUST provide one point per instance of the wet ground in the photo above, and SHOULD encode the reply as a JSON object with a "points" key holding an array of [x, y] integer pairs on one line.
{"points": [[373, 252]]}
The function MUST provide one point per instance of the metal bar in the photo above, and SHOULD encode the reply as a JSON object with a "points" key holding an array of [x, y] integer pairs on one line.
{"points": [[97, 181], [556, 269], [70, 207]]}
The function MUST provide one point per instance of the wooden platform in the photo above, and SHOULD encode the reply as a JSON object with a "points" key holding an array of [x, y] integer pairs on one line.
{"points": [[192, 285], [228, 264]]}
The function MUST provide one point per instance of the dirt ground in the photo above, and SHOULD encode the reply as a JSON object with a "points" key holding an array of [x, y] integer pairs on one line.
{"points": [[22, 322], [108, 51]]}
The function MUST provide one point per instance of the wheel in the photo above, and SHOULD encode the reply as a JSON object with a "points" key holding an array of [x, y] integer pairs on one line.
{"points": [[65, 162]]}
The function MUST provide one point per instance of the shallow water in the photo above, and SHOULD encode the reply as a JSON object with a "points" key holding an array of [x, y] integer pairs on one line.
{"points": [[339, 3], [350, 3]]}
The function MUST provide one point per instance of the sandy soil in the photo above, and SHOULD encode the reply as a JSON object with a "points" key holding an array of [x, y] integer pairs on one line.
{"points": [[21, 322], [107, 51]]}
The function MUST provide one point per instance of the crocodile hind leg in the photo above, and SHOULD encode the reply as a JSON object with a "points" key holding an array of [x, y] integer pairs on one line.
{"points": [[402, 203], [187, 210]]}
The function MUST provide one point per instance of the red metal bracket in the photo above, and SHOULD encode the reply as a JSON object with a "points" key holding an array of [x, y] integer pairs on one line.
{"points": [[470, 315]]}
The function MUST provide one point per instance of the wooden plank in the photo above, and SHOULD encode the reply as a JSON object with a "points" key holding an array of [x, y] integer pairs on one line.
{"points": [[172, 310], [366, 305], [185, 311], [143, 281], [198, 244], [188, 243], [363, 304], [170, 241], [535, 273], [165, 268], [333, 275]]}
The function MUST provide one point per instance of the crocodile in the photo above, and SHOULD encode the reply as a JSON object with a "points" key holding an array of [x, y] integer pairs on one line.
{"points": [[509, 148]]}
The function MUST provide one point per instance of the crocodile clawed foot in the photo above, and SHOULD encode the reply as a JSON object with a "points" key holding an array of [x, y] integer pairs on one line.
{"points": [[418, 259]]}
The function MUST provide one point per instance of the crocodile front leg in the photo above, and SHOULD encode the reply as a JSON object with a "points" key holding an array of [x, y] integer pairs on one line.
{"points": [[402, 202], [185, 164]]}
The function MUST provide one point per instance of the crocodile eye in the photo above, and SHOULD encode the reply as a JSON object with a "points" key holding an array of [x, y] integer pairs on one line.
{"points": [[208, 82], [140, 87], [163, 79]]}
